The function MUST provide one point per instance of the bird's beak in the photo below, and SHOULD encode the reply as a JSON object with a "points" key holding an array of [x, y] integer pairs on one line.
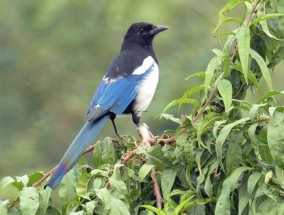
{"points": [[157, 29]]}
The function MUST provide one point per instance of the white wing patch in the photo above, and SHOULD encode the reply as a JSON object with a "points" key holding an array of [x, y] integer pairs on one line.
{"points": [[147, 87], [146, 65]]}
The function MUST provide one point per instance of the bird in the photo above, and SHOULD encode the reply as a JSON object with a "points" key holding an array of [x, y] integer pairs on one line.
{"points": [[127, 88]]}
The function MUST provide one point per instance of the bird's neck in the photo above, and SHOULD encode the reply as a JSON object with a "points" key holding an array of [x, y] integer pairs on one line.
{"points": [[127, 44]]}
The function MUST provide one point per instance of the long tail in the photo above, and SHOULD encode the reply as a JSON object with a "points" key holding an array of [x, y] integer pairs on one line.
{"points": [[83, 139]]}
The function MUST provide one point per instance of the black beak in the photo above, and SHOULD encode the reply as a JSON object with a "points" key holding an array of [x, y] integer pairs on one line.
{"points": [[157, 29]]}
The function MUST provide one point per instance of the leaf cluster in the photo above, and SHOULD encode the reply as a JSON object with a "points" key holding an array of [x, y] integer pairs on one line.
{"points": [[227, 157]]}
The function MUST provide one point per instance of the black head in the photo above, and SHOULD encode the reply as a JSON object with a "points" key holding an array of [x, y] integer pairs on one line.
{"points": [[142, 34]]}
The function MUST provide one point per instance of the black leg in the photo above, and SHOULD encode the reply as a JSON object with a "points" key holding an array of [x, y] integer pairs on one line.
{"points": [[112, 117], [135, 119]]}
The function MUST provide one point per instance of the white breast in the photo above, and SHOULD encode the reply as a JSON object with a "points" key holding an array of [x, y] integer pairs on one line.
{"points": [[147, 87]]}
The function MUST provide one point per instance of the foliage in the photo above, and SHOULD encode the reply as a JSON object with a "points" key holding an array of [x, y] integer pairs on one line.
{"points": [[227, 157]]}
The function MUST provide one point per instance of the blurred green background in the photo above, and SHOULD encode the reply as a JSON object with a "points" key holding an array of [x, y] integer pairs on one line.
{"points": [[53, 54]]}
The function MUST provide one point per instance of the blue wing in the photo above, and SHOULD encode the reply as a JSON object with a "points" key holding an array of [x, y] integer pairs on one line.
{"points": [[114, 96]]}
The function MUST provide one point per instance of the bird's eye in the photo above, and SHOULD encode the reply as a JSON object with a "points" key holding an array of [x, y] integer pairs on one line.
{"points": [[141, 30]]}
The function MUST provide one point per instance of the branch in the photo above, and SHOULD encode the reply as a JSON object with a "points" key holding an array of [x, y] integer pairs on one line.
{"points": [[45, 176], [232, 59], [157, 192]]}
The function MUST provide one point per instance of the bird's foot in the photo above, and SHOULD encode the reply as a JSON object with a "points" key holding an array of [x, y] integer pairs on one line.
{"points": [[145, 133]]}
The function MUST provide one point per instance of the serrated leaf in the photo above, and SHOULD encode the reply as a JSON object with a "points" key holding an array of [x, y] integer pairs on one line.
{"points": [[263, 67], [275, 138], [144, 171], [167, 180], [29, 200], [225, 89], [223, 205], [243, 38]]}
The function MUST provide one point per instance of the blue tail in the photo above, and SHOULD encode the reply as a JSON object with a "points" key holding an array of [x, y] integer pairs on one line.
{"points": [[83, 139]]}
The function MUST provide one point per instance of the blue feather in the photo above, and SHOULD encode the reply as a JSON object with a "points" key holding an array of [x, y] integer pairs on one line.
{"points": [[83, 139]]}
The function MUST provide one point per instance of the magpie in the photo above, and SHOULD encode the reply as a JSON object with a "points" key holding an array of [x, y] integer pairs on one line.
{"points": [[127, 88]]}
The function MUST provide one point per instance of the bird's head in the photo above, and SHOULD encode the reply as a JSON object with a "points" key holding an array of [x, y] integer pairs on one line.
{"points": [[143, 33]]}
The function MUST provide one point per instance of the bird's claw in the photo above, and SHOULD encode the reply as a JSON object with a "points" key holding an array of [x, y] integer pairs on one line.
{"points": [[145, 133]]}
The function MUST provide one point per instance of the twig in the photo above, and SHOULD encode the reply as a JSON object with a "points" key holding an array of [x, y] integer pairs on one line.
{"points": [[157, 192], [46, 175]]}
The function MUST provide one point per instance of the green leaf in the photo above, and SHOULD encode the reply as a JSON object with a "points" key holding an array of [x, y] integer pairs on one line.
{"points": [[104, 153], [223, 136], [269, 94], [180, 102], [192, 90], [82, 183], [155, 210], [227, 19], [252, 182], [209, 73], [171, 118], [6, 181], [167, 180], [254, 109], [223, 205], [225, 89], [243, 198], [144, 171], [217, 125], [29, 200], [200, 75], [234, 153], [111, 204], [254, 140], [263, 67], [243, 38], [265, 16], [266, 30], [275, 138], [44, 198], [229, 6], [4, 207], [67, 191]]}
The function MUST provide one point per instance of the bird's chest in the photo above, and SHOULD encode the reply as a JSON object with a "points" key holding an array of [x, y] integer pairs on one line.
{"points": [[146, 89]]}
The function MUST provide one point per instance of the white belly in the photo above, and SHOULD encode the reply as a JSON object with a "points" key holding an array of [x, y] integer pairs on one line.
{"points": [[146, 90]]}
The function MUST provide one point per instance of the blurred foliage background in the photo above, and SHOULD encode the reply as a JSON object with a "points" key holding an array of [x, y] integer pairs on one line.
{"points": [[54, 53]]}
